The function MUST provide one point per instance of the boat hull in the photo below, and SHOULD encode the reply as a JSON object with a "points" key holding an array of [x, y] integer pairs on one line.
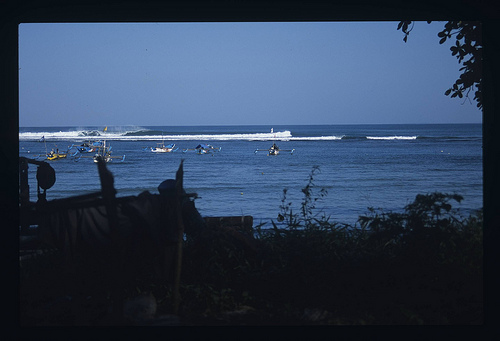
{"points": [[162, 150], [52, 157]]}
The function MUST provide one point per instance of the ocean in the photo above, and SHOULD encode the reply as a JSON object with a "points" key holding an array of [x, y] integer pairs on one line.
{"points": [[358, 166]]}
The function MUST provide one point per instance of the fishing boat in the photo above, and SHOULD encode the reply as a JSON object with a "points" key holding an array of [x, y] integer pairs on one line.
{"points": [[203, 149], [53, 155], [102, 151], [87, 147], [56, 155], [162, 148], [274, 150]]}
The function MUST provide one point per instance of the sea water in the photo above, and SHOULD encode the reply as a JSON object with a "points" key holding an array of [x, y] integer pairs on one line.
{"points": [[359, 166]]}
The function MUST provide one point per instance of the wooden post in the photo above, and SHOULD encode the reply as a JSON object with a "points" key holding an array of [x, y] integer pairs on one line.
{"points": [[179, 197], [109, 195], [24, 192]]}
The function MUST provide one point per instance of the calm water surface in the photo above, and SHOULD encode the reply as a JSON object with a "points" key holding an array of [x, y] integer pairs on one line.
{"points": [[360, 166]]}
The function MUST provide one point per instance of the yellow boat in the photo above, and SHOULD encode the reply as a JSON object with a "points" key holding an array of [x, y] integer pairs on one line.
{"points": [[56, 155]]}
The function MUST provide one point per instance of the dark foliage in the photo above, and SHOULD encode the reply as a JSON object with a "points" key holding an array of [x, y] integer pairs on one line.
{"points": [[419, 266], [468, 49]]}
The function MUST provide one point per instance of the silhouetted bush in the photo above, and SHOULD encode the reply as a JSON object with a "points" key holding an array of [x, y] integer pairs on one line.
{"points": [[419, 266]]}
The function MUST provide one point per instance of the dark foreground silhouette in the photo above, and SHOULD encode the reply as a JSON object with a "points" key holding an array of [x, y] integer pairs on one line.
{"points": [[151, 259]]}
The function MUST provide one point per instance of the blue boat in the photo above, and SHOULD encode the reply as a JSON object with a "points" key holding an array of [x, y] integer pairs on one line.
{"points": [[203, 149]]}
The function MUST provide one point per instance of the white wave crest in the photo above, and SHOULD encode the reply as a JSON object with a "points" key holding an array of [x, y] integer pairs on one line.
{"points": [[80, 134], [280, 136], [128, 135], [60, 135], [123, 136], [316, 138], [391, 137]]}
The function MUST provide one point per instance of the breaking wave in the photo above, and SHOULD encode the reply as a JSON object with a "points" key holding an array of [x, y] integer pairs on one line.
{"points": [[205, 134], [391, 137], [149, 135]]}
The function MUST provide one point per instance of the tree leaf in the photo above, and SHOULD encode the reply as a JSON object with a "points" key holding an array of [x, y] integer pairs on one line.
{"points": [[466, 46]]}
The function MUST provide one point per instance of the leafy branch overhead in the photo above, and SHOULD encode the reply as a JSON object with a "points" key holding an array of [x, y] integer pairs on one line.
{"points": [[467, 49]]}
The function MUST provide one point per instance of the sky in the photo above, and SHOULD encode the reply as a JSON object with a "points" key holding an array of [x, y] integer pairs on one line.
{"points": [[282, 73]]}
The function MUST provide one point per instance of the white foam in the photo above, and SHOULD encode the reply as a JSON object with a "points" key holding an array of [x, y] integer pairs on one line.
{"points": [[123, 135], [316, 138], [391, 137], [82, 135]]}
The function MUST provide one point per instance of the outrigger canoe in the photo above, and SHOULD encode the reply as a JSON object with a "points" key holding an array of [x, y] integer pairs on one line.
{"points": [[274, 150], [104, 152], [87, 147], [203, 149], [56, 155], [161, 148]]}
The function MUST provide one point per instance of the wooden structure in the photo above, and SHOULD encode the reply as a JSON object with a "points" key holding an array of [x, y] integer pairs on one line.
{"points": [[118, 238], [113, 236]]}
